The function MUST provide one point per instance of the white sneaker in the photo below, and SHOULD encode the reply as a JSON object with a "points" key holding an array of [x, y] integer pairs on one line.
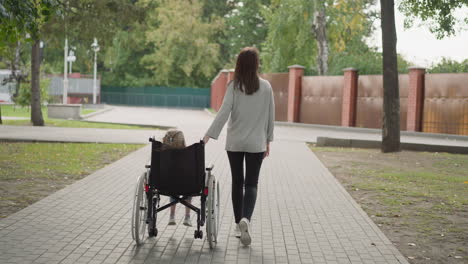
{"points": [[171, 220], [237, 231], [187, 221], [244, 227]]}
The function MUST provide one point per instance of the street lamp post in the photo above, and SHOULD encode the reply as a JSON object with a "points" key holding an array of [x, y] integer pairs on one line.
{"points": [[95, 48], [71, 58], [65, 77]]}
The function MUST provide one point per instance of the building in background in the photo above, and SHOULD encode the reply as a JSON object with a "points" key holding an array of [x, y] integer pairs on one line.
{"points": [[6, 89], [80, 89]]}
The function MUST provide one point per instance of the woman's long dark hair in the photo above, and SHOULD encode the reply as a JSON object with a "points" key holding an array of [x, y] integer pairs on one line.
{"points": [[246, 73]]}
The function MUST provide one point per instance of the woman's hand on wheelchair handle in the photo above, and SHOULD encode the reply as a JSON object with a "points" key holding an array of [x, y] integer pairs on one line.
{"points": [[267, 152]]}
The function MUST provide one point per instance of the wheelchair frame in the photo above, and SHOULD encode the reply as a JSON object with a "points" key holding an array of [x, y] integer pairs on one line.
{"points": [[146, 206]]}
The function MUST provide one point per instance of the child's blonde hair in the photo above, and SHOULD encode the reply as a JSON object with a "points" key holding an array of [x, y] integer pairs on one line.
{"points": [[174, 139]]}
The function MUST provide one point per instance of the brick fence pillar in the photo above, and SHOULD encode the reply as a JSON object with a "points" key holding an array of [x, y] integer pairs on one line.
{"points": [[230, 75], [415, 99], [218, 85], [294, 92], [348, 109]]}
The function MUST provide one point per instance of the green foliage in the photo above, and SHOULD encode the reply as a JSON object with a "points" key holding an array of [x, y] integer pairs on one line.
{"points": [[184, 42], [366, 59], [449, 66], [81, 21], [349, 22], [289, 40], [24, 97], [245, 27], [18, 18], [123, 59], [184, 52], [438, 13]]}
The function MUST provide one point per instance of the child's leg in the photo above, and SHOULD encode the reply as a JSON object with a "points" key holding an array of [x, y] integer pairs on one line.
{"points": [[187, 210], [173, 207], [172, 214]]}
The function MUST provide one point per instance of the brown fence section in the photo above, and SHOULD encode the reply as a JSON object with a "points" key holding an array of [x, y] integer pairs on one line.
{"points": [[370, 101], [279, 83], [446, 103], [321, 100], [436, 103]]}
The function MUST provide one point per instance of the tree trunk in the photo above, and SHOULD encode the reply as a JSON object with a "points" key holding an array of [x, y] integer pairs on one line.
{"points": [[391, 97], [15, 67], [319, 29], [1, 122], [36, 112]]}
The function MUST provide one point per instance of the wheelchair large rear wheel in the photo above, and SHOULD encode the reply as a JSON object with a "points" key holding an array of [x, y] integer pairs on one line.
{"points": [[140, 210], [212, 216]]}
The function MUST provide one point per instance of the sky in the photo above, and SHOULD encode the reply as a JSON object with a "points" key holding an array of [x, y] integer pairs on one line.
{"points": [[418, 45]]}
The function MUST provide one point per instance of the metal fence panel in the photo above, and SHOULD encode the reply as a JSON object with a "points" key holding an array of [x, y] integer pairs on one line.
{"points": [[157, 96]]}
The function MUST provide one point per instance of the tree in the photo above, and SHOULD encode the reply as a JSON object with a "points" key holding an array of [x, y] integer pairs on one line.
{"points": [[391, 98], [319, 30], [19, 18], [439, 10], [213, 10], [81, 21], [123, 58], [311, 33], [449, 66], [184, 53], [245, 26], [289, 40], [438, 13]]}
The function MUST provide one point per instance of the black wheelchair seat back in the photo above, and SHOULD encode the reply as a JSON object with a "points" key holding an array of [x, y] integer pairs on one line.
{"points": [[177, 171]]}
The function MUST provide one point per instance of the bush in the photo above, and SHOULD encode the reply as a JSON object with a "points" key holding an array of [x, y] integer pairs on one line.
{"points": [[24, 96], [449, 66]]}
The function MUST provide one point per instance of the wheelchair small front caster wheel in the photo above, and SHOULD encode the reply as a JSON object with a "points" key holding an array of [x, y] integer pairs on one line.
{"points": [[153, 232], [198, 234]]}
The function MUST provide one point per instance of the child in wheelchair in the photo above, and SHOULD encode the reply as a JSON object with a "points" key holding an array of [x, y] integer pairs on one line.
{"points": [[179, 172], [174, 139]]}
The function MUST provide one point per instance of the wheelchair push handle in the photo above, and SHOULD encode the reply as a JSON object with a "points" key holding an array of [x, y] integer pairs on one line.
{"points": [[210, 168]]}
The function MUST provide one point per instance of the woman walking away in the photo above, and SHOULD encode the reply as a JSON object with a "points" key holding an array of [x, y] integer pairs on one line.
{"points": [[249, 103]]}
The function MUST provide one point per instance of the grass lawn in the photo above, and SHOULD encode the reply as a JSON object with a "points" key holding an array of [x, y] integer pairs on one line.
{"points": [[18, 111], [74, 123], [418, 199], [9, 110], [32, 171], [212, 111], [87, 111]]}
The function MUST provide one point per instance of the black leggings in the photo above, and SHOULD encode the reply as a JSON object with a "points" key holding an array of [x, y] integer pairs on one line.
{"points": [[244, 204]]}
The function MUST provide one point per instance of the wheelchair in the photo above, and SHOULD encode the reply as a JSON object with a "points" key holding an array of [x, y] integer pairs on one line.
{"points": [[177, 173]]}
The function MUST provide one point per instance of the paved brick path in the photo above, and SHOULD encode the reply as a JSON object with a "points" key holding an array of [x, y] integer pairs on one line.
{"points": [[303, 215]]}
